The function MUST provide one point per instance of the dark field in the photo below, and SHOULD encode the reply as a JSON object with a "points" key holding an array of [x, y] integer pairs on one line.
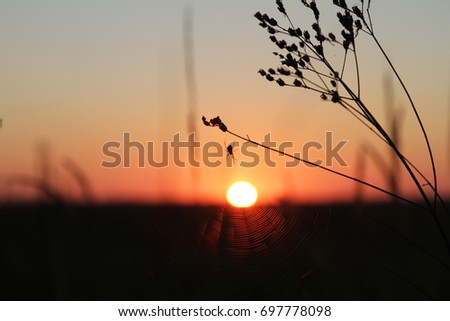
{"points": [[340, 252]]}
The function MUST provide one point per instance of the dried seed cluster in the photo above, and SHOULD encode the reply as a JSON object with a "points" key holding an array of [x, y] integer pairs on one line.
{"points": [[303, 61], [213, 122]]}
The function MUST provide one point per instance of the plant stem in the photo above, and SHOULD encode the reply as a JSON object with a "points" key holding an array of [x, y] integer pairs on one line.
{"points": [[328, 169], [416, 113]]}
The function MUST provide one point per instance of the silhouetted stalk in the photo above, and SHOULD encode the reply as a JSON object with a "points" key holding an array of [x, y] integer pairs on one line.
{"points": [[218, 122], [416, 113], [389, 141], [384, 134], [302, 60], [191, 89], [81, 179], [325, 168], [434, 186]]}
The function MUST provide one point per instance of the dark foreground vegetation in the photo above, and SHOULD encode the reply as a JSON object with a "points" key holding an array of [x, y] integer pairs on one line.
{"points": [[221, 253]]}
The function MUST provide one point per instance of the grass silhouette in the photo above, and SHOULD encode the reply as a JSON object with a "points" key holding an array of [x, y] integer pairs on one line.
{"points": [[44, 184], [305, 64]]}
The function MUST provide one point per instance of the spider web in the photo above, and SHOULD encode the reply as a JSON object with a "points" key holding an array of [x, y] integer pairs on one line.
{"points": [[235, 252]]}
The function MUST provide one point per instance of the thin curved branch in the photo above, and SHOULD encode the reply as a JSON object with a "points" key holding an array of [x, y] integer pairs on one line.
{"points": [[247, 139]]}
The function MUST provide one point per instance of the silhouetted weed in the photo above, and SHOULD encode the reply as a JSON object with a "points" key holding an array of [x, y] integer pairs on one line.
{"points": [[305, 64]]}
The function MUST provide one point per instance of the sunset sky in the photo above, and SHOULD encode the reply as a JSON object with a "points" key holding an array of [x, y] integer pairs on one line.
{"points": [[75, 75]]}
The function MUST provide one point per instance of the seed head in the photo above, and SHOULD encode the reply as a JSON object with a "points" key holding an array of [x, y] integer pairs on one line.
{"points": [[357, 11], [306, 35], [280, 6], [283, 71], [281, 44], [272, 22], [205, 122], [319, 50], [332, 37], [313, 7], [280, 82], [316, 27], [335, 98]]}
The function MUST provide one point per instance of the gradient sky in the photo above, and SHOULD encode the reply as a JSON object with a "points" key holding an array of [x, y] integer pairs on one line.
{"points": [[77, 74]]}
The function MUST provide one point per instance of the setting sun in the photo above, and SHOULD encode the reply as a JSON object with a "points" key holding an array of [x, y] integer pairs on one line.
{"points": [[242, 194]]}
